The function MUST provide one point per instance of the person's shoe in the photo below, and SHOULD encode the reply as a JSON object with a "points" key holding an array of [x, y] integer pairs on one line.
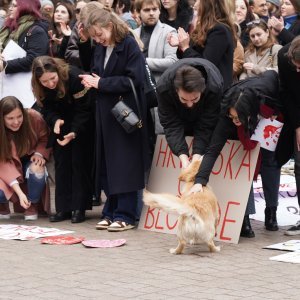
{"points": [[4, 216], [103, 224], [60, 216], [294, 230], [119, 226], [78, 216], [246, 230], [30, 217], [271, 218]]}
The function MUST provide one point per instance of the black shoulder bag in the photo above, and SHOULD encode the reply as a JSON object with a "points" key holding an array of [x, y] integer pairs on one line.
{"points": [[125, 115]]}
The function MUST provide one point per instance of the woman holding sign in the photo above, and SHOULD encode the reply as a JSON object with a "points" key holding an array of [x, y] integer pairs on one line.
{"points": [[241, 109]]}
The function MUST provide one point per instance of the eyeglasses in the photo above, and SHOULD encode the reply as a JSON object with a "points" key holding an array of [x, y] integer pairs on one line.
{"points": [[77, 10], [234, 118], [46, 67]]}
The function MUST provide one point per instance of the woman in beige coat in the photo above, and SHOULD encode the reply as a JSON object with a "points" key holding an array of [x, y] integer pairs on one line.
{"points": [[23, 154], [261, 53]]}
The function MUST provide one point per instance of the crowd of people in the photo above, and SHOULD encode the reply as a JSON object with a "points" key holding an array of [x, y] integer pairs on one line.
{"points": [[208, 69]]}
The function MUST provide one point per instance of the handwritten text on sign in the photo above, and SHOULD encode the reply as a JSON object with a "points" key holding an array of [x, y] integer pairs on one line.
{"points": [[231, 181]]}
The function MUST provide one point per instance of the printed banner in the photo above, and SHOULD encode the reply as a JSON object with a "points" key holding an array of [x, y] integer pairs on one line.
{"points": [[231, 180]]}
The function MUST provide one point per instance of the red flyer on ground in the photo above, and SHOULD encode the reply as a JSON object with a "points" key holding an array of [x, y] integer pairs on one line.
{"points": [[103, 243], [62, 240]]}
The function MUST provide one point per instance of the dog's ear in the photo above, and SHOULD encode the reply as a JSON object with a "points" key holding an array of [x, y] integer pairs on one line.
{"points": [[189, 174]]}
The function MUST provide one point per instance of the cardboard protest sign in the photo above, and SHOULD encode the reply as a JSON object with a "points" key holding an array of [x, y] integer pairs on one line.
{"points": [[267, 133], [231, 181], [290, 257], [17, 84]]}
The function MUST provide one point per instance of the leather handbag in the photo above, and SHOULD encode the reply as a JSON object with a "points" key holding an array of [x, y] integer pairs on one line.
{"points": [[125, 115]]}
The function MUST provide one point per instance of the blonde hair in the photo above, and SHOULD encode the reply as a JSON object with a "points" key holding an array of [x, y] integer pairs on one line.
{"points": [[102, 18]]}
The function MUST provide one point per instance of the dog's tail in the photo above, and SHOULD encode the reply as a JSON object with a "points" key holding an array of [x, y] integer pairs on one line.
{"points": [[167, 202]]}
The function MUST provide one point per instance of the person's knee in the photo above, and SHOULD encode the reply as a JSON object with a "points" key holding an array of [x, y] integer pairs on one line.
{"points": [[38, 171]]}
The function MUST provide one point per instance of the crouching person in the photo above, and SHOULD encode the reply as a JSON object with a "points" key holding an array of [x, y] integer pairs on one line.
{"points": [[23, 154]]}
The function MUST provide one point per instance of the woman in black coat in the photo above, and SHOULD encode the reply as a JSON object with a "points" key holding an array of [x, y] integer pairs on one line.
{"points": [[241, 105], [120, 157], [213, 38], [65, 105]]}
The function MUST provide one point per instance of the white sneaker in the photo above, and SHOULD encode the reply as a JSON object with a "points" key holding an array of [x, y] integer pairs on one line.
{"points": [[5, 217], [31, 217], [294, 230]]}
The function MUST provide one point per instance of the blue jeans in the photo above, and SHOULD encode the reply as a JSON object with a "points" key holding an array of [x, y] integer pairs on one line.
{"points": [[35, 184]]}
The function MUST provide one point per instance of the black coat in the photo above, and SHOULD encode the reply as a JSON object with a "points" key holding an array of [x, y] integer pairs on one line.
{"points": [[264, 85], [290, 96], [218, 49], [125, 154], [179, 121], [73, 162], [287, 35], [35, 42]]}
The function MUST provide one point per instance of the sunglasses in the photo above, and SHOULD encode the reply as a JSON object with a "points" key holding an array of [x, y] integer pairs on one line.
{"points": [[77, 10], [255, 23]]}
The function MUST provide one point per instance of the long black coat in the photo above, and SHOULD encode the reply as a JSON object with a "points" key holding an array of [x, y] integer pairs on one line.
{"points": [[73, 162], [179, 121], [125, 154], [290, 96], [287, 35]]}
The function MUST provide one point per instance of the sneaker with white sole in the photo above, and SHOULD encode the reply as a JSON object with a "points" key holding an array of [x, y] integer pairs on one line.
{"points": [[31, 218], [294, 230], [119, 226], [5, 217]]}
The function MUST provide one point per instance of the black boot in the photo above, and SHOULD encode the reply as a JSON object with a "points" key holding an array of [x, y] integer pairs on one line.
{"points": [[271, 218], [246, 228]]}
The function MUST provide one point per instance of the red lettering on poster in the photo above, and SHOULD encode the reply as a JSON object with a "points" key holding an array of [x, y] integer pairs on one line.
{"points": [[231, 156], [247, 165], [151, 214], [162, 152], [168, 225], [222, 237], [156, 223]]}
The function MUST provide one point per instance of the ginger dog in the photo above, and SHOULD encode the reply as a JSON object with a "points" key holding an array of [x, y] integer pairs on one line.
{"points": [[198, 213]]}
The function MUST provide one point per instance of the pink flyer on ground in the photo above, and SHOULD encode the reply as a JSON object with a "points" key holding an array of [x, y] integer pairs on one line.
{"points": [[103, 243], [62, 240]]}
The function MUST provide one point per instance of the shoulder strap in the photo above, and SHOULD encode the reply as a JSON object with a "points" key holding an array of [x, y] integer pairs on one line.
{"points": [[136, 99], [271, 57]]}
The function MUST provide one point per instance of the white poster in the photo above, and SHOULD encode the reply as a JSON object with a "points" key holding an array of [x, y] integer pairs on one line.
{"points": [[231, 180], [290, 257], [267, 133], [18, 84]]}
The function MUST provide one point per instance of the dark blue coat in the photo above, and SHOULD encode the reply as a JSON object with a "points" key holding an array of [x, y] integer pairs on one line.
{"points": [[125, 154]]}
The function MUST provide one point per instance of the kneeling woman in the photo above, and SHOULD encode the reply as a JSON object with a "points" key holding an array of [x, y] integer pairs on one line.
{"points": [[242, 107], [66, 108], [23, 154]]}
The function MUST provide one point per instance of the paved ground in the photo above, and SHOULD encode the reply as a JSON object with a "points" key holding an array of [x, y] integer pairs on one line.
{"points": [[143, 268]]}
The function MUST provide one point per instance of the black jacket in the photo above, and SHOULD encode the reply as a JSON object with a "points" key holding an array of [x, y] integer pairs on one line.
{"points": [[287, 35], [35, 42], [179, 121], [218, 49], [265, 85]]}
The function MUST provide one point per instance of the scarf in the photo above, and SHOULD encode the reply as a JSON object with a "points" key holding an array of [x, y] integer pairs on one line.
{"points": [[288, 21], [23, 24]]}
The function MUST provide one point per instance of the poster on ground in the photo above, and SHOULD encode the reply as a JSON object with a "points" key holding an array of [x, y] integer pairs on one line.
{"points": [[231, 181]]}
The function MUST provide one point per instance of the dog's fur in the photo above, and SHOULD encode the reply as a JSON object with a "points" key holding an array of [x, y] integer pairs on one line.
{"points": [[198, 212]]}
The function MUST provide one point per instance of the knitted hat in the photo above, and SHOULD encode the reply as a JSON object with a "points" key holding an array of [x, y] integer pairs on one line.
{"points": [[46, 2], [296, 4], [275, 2]]}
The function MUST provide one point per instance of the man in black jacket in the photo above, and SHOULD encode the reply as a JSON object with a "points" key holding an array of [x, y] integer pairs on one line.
{"points": [[289, 74], [189, 95]]}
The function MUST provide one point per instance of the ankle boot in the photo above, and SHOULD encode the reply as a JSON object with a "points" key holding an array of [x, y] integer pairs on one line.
{"points": [[246, 228], [271, 218]]}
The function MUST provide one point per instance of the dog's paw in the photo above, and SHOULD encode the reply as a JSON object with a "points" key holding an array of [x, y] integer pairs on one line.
{"points": [[174, 251], [216, 249]]}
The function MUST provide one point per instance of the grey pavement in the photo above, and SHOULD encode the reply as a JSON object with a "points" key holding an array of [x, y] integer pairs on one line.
{"points": [[143, 268]]}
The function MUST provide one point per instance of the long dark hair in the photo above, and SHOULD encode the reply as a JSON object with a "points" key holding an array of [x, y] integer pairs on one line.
{"points": [[22, 138], [44, 64], [246, 102]]}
